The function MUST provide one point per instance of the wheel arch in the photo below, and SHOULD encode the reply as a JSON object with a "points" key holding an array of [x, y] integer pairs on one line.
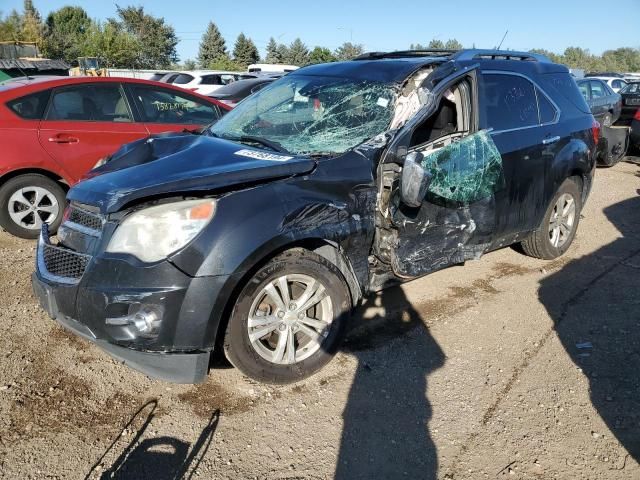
{"points": [[325, 248], [37, 171]]}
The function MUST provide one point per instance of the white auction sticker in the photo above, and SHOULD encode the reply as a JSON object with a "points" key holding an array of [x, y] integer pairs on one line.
{"points": [[262, 155]]}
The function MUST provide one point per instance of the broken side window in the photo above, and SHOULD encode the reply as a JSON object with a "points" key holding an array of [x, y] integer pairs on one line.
{"points": [[465, 171]]}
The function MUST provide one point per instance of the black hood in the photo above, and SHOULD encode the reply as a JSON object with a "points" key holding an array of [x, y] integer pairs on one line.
{"points": [[180, 163]]}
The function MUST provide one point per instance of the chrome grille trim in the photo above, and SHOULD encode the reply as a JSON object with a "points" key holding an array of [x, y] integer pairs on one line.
{"points": [[59, 264]]}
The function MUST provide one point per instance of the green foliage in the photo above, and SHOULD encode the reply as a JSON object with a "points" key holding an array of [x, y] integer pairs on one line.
{"points": [[212, 47], [273, 54], [453, 44], [435, 44], [321, 55], [65, 34], [298, 53], [225, 63], [245, 51], [157, 40], [348, 50], [111, 45], [623, 59], [189, 64]]}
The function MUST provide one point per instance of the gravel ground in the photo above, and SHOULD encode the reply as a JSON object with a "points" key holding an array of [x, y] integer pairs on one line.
{"points": [[507, 367]]}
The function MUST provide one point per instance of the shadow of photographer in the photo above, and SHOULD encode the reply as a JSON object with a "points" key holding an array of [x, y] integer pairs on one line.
{"points": [[385, 433]]}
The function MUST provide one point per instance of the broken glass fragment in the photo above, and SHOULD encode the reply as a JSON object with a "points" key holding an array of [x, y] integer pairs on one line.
{"points": [[465, 171]]}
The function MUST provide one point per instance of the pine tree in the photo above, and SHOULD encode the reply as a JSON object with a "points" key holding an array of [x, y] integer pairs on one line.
{"points": [[348, 51], [453, 44], [273, 55], [283, 54], [436, 44], [32, 27], [298, 53], [245, 51], [212, 47]]}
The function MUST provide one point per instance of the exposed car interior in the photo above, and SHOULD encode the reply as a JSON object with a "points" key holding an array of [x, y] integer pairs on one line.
{"points": [[451, 120]]}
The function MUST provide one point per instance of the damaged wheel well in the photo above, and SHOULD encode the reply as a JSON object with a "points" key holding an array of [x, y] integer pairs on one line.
{"points": [[325, 248]]}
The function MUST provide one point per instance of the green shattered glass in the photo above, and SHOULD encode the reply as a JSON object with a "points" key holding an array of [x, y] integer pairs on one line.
{"points": [[465, 171]]}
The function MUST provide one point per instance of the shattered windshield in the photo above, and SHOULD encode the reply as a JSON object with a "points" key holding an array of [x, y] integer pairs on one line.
{"points": [[312, 114]]}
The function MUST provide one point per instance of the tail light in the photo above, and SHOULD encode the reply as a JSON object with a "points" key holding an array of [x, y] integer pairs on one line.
{"points": [[637, 115], [595, 130]]}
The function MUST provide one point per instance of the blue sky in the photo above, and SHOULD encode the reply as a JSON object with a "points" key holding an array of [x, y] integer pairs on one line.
{"points": [[389, 25]]}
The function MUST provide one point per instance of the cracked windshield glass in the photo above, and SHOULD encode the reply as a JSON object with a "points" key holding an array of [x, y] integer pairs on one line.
{"points": [[311, 115]]}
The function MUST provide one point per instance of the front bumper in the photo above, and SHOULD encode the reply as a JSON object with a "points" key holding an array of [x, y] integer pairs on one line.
{"points": [[107, 288]]}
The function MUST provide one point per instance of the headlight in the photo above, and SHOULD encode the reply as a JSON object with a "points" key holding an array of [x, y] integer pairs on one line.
{"points": [[156, 232]]}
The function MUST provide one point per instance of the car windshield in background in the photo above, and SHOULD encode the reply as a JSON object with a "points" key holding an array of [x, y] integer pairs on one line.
{"points": [[312, 115], [631, 88]]}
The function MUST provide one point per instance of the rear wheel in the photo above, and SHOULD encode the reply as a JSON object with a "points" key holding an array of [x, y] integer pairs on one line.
{"points": [[289, 319], [559, 225], [28, 201]]}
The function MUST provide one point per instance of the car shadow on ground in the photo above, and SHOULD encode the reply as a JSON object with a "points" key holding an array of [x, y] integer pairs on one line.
{"points": [[385, 432], [595, 304], [161, 458]]}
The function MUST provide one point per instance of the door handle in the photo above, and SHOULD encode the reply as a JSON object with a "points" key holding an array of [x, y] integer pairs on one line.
{"points": [[550, 140], [59, 139]]}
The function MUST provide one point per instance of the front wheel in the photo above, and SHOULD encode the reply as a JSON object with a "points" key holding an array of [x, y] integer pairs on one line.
{"points": [[28, 201], [289, 318], [559, 225]]}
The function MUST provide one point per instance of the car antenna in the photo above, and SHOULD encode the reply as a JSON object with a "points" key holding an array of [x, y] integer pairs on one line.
{"points": [[15, 47], [503, 37]]}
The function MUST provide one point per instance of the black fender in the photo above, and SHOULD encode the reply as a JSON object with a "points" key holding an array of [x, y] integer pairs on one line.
{"points": [[335, 218]]}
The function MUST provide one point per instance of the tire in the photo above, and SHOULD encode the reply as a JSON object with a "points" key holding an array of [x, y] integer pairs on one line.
{"points": [[18, 195], [543, 242], [260, 357]]}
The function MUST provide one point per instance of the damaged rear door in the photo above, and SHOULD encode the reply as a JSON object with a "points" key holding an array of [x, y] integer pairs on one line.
{"points": [[459, 170]]}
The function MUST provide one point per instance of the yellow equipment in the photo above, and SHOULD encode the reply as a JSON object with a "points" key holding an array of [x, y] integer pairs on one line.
{"points": [[88, 66]]}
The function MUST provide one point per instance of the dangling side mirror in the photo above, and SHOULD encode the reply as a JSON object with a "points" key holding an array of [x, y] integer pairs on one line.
{"points": [[415, 180]]}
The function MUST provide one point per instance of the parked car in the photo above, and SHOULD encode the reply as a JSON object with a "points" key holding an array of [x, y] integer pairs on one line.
{"points": [[53, 131], [604, 103], [168, 77], [616, 82], [260, 235], [234, 92], [634, 138], [205, 82], [630, 102]]}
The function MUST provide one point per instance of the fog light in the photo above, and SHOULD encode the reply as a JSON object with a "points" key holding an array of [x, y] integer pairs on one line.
{"points": [[141, 321], [147, 321]]}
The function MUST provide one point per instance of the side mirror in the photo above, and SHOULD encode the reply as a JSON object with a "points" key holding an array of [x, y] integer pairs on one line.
{"points": [[415, 180]]}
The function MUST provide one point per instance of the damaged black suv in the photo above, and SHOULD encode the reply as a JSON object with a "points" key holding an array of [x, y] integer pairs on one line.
{"points": [[259, 234]]}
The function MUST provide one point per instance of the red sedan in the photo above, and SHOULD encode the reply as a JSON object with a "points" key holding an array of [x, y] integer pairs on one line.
{"points": [[54, 129]]}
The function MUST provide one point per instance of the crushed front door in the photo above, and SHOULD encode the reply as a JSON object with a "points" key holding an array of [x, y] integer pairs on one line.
{"points": [[457, 218]]}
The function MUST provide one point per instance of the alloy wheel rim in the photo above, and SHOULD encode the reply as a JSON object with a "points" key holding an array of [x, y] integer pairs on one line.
{"points": [[30, 207], [562, 220], [289, 319]]}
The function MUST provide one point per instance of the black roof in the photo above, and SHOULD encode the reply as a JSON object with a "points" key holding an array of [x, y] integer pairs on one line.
{"points": [[385, 70], [395, 67]]}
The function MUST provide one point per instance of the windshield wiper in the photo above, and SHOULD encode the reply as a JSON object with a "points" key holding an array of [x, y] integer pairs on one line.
{"points": [[263, 141]]}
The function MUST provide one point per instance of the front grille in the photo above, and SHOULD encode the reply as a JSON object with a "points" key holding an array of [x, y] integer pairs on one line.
{"points": [[61, 262], [84, 218]]}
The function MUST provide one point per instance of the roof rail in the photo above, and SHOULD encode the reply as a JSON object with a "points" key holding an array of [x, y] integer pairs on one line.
{"points": [[433, 52], [472, 54], [465, 54]]}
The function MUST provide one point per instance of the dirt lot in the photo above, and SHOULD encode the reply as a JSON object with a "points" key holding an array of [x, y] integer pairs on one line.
{"points": [[505, 368]]}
